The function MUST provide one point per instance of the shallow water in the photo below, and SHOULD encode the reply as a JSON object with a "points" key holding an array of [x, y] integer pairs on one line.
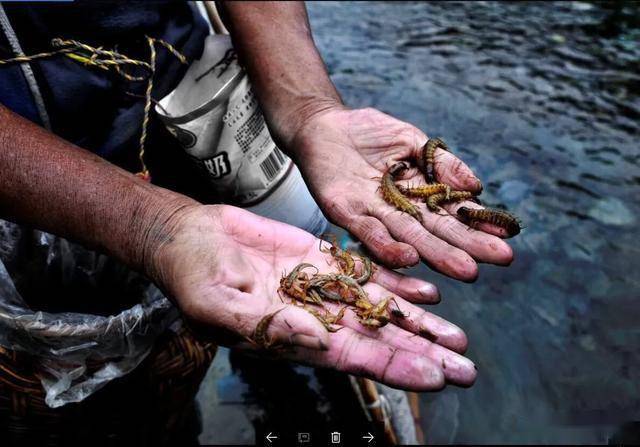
{"points": [[541, 100]]}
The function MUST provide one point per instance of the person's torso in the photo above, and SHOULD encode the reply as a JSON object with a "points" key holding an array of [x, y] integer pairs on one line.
{"points": [[90, 107]]}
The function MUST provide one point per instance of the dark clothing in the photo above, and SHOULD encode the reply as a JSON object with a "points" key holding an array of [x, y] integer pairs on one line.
{"points": [[89, 106], [154, 404]]}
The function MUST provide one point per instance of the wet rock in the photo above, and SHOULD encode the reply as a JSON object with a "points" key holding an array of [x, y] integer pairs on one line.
{"points": [[612, 211], [541, 86], [587, 342], [581, 6]]}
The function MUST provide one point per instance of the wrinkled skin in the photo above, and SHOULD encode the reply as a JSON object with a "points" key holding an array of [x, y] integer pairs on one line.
{"points": [[223, 266], [343, 154]]}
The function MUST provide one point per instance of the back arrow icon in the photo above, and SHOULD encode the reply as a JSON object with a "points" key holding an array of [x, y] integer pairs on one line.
{"points": [[270, 437], [369, 437]]}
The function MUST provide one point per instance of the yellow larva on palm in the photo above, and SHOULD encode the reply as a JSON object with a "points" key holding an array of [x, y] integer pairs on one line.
{"points": [[426, 159], [392, 194], [433, 202], [425, 191]]}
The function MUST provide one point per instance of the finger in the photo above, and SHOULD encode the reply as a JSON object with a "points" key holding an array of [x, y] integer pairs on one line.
{"points": [[357, 354], [412, 289], [457, 369], [482, 246], [453, 171], [375, 236], [291, 325], [440, 255], [418, 321], [263, 323], [486, 227]]}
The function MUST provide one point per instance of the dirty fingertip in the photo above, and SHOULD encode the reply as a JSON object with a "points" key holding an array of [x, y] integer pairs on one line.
{"points": [[478, 185], [402, 255], [473, 375], [505, 253], [458, 341], [459, 370], [429, 293], [463, 268]]}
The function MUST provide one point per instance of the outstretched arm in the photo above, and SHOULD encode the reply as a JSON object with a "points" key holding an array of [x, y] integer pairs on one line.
{"points": [[340, 151], [220, 264], [51, 184]]}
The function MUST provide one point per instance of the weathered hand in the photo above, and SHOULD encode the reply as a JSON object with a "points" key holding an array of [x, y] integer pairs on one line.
{"points": [[223, 266], [343, 154]]}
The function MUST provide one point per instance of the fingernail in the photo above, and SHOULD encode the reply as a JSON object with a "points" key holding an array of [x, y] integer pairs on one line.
{"points": [[479, 187], [309, 341], [430, 292]]}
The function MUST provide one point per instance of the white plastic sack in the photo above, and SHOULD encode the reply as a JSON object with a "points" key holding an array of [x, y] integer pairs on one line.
{"points": [[70, 345]]}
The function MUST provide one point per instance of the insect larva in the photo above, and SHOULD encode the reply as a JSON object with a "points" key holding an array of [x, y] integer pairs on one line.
{"points": [[500, 218], [392, 194], [346, 263], [291, 277], [260, 333], [425, 191], [426, 161], [328, 319], [433, 202], [397, 312]]}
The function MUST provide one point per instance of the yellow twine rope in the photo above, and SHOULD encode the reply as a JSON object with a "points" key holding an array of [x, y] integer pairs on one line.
{"points": [[147, 107], [111, 60]]}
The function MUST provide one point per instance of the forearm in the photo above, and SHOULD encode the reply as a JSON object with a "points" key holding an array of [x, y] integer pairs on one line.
{"points": [[274, 42], [50, 184]]}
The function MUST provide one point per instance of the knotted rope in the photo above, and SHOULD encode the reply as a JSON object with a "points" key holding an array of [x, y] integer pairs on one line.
{"points": [[111, 60]]}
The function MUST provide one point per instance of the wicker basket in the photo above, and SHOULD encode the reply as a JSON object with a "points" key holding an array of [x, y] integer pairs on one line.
{"points": [[152, 405]]}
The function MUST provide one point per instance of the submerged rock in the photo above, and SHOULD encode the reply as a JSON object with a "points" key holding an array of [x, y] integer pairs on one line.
{"points": [[581, 6], [612, 211]]}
